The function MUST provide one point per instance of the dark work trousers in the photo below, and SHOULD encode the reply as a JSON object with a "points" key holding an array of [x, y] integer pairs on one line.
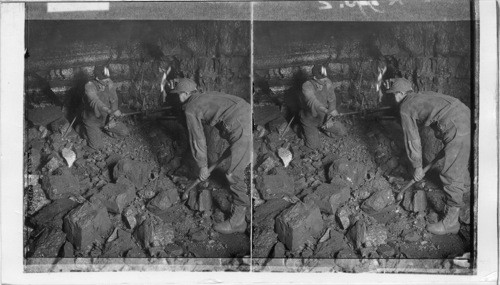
{"points": [[239, 135], [310, 128], [456, 138], [93, 130]]}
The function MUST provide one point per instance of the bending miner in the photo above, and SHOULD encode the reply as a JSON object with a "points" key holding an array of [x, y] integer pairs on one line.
{"points": [[318, 104], [450, 120], [100, 106], [231, 116]]}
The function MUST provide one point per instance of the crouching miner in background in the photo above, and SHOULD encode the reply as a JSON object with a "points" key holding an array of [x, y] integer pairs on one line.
{"points": [[100, 105], [231, 116], [450, 120], [318, 103]]}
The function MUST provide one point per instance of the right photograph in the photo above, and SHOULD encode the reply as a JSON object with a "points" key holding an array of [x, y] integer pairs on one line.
{"points": [[364, 138]]}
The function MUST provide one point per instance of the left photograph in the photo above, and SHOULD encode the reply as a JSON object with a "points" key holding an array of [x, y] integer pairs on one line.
{"points": [[137, 140]]}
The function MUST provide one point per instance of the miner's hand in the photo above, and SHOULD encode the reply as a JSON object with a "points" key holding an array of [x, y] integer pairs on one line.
{"points": [[334, 113], [231, 178], [328, 124], [117, 113], [163, 96], [204, 173], [418, 174], [323, 110]]}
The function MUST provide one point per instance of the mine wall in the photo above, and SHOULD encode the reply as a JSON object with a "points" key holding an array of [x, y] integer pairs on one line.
{"points": [[214, 54], [435, 56]]}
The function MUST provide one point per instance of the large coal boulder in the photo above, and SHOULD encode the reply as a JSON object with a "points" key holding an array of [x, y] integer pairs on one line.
{"points": [[60, 185], [87, 223], [298, 224]]}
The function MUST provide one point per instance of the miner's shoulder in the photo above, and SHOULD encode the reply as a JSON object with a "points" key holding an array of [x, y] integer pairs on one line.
{"points": [[308, 85], [90, 86]]}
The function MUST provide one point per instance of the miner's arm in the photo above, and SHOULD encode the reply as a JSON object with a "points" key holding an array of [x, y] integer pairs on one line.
{"points": [[197, 139], [113, 97], [310, 99], [412, 139], [94, 101], [331, 99]]}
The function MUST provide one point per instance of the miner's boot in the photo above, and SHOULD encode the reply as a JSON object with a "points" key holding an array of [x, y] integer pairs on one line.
{"points": [[449, 225], [235, 224]]}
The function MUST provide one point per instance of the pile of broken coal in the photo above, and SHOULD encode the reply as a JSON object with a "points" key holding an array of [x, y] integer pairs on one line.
{"points": [[336, 204], [105, 204]]}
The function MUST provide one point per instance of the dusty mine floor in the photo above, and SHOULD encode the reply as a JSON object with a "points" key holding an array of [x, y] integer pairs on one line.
{"points": [[340, 201], [123, 201]]}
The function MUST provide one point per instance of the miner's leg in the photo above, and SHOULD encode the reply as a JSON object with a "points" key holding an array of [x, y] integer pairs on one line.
{"points": [[310, 130], [455, 167], [240, 158], [93, 133]]}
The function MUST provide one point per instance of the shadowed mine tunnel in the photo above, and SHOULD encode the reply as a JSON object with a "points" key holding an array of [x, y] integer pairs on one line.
{"points": [[338, 201], [82, 206]]}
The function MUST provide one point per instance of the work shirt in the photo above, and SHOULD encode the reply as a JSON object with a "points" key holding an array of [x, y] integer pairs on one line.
{"points": [[218, 110], [98, 96], [426, 109], [317, 94]]}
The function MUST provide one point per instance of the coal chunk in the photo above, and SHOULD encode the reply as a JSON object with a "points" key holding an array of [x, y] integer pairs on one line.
{"points": [[61, 185], [357, 234], [60, 125], [269, 210], [275, 186], [378, 201], [52, 214], [376, 235], [137, 172], [298, 224], [120, 246], [329, 196], [149, 234], [352, 172], [332, 246], [164, 200], [116, 196], [49, 243], [263, 242], [415, 202], [87, 223]]}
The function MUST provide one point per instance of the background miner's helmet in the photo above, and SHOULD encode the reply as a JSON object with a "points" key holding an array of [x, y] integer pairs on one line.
{"points": [[400, 85], [319, 71], [184, 85], [99, 71]]}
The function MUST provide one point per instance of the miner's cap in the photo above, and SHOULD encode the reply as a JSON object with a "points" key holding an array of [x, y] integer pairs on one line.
{"points": [[99, 71], [319, 71], [400, 85], [184, 85]]}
